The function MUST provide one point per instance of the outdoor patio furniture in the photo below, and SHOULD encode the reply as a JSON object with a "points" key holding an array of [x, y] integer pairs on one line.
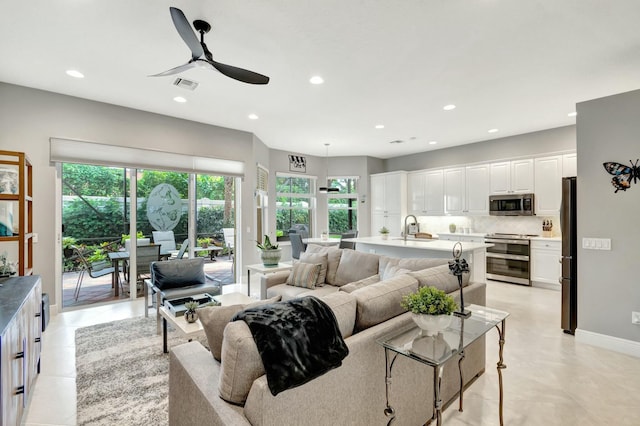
{"points": [[95, 270], [166, 239]]}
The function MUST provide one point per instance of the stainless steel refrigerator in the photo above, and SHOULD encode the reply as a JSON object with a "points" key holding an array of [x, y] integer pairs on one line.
{"points": [[569, 279]]}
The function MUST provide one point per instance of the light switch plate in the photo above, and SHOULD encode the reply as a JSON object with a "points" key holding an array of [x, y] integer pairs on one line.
{"points": [[596, 243], [635, 318]]}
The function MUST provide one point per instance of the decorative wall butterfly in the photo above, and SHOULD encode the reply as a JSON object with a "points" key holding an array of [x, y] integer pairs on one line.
{"points": [[622, 175]]}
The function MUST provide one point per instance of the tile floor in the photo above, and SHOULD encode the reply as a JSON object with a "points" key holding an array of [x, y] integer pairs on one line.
{"points": [[550, 379]]}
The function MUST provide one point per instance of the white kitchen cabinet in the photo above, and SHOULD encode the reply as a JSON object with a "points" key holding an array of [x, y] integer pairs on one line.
{"points": [[426, 193], [545, 262], [454, 191], [477, 190], [548, 184], [570, 165], [388, 201], [469, 238], [512, 177]]}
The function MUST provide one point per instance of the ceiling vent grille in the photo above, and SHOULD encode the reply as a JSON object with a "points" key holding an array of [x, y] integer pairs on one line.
{"points": [[185, 84]]}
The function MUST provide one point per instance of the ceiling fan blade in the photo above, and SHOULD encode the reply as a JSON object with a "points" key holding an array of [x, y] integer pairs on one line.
{"points": [[176, 70], [240, 74], [185, 31]]}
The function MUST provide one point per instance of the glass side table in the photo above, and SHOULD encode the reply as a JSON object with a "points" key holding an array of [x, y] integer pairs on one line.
{"points": [[436, 350]]}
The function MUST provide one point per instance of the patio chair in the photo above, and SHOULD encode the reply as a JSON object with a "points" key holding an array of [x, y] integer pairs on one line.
{"points": [[166, 239], [95, 270], [180, 253], [144, 256], [297, 246], [348, 244], [229, 239]]}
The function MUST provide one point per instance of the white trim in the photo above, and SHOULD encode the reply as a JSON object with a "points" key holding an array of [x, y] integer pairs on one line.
{"points": [[75, 151], [343, 177], [295, 175], [613, 343]]}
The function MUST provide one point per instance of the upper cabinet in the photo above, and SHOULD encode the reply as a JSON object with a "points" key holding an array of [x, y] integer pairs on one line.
{"points": [[454, 191], [548, 195], [477, 189], [426, 193], [511, 177], [569, 165]]}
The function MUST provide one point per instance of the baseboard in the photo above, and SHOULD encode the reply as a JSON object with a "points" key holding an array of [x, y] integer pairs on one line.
{"points": [[628, 347], [548, 286]]}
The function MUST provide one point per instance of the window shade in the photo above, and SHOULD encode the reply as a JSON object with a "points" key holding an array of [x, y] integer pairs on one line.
{"points": [[73, 151]]}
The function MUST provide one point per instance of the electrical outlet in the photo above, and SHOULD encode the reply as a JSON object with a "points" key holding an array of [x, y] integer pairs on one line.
{"points": [[635, 318]]}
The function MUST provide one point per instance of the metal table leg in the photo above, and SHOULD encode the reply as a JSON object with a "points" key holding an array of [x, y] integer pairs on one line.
{"points": [[249, 282], [501, 365], [164, 336], [389, 411], [437, 397], [461, 379]]}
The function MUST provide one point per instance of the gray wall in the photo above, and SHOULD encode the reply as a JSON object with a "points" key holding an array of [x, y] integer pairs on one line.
{"points": [[608, 281], [529, 144], [29, 117]]}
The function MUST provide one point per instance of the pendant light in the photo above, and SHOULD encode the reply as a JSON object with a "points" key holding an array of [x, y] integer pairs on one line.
{"points": [[325, 189]]}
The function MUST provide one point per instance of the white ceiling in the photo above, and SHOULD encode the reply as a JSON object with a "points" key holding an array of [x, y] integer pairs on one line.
{"points": [[515, 65]]}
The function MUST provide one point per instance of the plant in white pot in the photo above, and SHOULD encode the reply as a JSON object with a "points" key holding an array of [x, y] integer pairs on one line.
{"points": [[270, 253], [384, 232], [431, 309]]}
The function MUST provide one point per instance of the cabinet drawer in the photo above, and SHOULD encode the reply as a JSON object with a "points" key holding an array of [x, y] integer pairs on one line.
{"points": [[548, 245]]}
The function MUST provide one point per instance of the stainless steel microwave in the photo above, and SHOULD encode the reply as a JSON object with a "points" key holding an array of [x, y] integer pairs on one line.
{"points": [[511, 205]]}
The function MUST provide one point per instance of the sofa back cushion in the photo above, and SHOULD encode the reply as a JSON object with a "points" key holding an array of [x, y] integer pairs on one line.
{"points": [[440, 277], [412, 264], [379, 302], [178, 273], [333, 259], [241, 362], [316, 258], [355, 265], [215, 318], [351, 287]]}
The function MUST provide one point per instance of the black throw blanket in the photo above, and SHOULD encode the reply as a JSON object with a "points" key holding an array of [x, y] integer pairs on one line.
{"points": [[298, 340]]}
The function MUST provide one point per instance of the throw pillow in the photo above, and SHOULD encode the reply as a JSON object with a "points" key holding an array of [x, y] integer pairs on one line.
{"points": [[304, 275], [333, 259], [392, 271], [215, 318], [315, 258], [355, 265], [351, 287]]}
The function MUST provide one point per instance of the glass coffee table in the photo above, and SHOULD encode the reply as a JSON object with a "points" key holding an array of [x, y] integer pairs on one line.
{"points": [[436, 350]]}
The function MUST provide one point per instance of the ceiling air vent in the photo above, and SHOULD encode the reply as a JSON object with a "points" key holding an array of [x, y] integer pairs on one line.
{"points": [[185, 84]]}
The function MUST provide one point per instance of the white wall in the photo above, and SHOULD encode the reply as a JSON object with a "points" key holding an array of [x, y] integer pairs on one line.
{"points": [[29, 117], [608, 281]]}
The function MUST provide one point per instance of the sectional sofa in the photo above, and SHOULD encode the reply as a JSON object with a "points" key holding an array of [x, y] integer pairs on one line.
{"points": [[364, 291]]}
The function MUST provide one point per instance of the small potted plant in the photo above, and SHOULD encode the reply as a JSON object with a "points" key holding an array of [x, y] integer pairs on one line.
{"points": [[270, 253], [452, 228], [67, 246], [384, 232], [190, 314], [431, 309], [203, 242]]}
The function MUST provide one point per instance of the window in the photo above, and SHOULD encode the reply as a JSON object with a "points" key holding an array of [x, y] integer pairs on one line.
{"points": [[294, 204], [343, 205]]}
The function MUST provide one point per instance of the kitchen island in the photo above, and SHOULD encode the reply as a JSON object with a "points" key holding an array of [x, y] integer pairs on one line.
{"points": [[474, 253]]}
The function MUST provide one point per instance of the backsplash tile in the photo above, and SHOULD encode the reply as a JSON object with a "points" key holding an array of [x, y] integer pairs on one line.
{"points": [[489, 224]]}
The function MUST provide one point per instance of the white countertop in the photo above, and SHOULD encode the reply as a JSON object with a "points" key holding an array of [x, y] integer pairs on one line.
{"points": [[455, 234], [546, 238], [422, 244]]}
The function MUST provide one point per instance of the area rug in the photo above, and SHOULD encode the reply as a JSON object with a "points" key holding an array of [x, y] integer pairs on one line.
{"points": [[122, 375]]}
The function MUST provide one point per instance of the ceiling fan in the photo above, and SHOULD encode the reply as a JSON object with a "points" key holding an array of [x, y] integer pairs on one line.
{"points": [[199, 49]]}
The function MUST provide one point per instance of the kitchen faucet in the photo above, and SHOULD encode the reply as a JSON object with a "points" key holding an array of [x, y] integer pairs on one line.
{"points": [[405, 225]]}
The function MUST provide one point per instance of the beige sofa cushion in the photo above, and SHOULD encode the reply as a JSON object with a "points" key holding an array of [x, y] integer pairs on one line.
{"points": [[412, 264], [356, 265], [440, 277], [381, 301], [215, 318], [351, 287], [316, 258], [304, 275], [241, 362], [333, 259], [391, 271]]}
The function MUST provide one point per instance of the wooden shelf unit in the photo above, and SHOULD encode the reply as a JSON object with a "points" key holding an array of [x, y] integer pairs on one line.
{"points": [[24, 212]]}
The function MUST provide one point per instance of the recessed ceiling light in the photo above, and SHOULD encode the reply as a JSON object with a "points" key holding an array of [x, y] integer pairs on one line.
{"points": [[253, 117], [316, 79], [379, 126], [572, 114], [180, 99], [449, 107], [433, 142], [492, 130], [75, 74]]}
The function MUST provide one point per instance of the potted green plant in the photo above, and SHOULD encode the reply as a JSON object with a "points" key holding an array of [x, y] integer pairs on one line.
{"points": [[269, 253], [384, 232], [204, 242], [190, 314], [431, 309], [67, 246], [452, 228]]}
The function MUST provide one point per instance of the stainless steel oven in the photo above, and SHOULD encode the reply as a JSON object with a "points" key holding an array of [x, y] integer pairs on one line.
{"points": [[508, 259]]}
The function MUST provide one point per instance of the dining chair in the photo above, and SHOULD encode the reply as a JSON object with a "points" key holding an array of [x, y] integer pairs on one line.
{"points": [[94, 269], [144, 256], [297, 246], [166, 239], [348, 244]]}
